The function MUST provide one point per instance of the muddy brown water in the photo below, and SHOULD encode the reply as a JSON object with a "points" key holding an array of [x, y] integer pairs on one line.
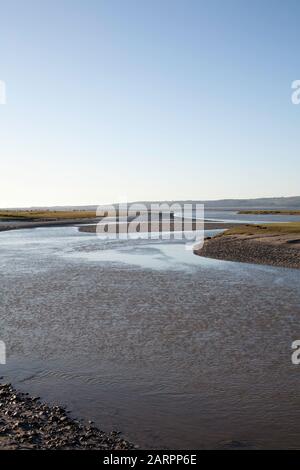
{"points": [[174, 350]]}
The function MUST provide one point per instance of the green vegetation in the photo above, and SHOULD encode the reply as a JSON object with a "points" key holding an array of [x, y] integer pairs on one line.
{"points": [[263, 229], [270, 212], [36, 215], [48, 215]]}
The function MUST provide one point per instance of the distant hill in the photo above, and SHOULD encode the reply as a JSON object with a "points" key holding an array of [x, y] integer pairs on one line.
{"points": [[258, 203]]}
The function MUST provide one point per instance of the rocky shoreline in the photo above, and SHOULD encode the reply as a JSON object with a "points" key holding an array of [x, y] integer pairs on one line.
{"points": [[26, 423], [277, 250]]}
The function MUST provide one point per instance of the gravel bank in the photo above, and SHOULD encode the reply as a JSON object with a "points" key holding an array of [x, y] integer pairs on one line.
{"points": [[26, 423], [276, 251]]}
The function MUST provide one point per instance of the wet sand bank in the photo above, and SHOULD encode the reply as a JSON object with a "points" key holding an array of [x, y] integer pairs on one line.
{"points": [[161, 227], [16, 224], [86, 227]]}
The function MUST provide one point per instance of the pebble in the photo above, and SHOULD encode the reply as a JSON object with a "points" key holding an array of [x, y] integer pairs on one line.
{"points": [[26, 423]]}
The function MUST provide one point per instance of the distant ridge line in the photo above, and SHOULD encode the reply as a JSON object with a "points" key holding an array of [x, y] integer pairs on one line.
{"points": [[292, 202]]}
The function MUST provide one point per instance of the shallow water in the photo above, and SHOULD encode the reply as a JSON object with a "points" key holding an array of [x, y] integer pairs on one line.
{"points": [[234, 216], [175, 350]]}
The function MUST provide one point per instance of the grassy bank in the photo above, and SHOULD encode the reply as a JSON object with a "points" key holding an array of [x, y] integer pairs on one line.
{"points": [[46, 215], [265, 229], [39, 215], [270, 212]]}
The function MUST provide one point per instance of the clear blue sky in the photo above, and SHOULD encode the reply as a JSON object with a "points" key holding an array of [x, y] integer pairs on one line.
{"points": [[148, 99]]}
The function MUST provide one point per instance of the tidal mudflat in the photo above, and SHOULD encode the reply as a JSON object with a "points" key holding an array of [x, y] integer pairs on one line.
{"points": [[183, 352]]}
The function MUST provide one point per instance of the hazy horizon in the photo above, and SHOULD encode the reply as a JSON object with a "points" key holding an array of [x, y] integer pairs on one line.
{"points": [[287, 202]]}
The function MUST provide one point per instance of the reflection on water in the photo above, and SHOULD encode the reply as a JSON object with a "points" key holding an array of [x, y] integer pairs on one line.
{"points": [[174, 350], [145, 253]]}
